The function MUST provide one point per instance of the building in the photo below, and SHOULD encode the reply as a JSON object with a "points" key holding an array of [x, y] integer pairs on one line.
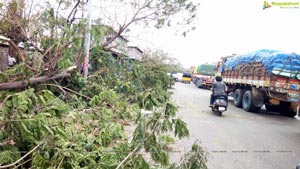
{"points": [[108, 38], [134, 53]]}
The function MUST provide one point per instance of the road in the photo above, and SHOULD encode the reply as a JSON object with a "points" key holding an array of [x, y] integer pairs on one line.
{"points": [[238, 139]]}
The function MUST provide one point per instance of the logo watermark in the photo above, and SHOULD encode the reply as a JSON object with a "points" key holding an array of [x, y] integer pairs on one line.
{"points": [[282, 5], [266, 5]]}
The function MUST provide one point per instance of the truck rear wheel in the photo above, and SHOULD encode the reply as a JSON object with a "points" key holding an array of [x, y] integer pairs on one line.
{"points": [[248, 102], [238, 97]]}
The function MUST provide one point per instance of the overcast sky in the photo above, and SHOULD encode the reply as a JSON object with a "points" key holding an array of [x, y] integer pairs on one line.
{"points": [[230, 26]]}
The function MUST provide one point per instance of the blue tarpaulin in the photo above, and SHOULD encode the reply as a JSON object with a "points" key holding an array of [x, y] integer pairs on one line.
{"points": [[271, 59]]}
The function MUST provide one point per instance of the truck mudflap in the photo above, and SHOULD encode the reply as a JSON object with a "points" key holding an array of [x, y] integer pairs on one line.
{"points": [[298, 108], [295, 107], [258, 97]]}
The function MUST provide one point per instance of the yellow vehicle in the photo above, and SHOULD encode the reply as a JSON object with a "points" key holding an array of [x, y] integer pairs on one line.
{"points": [[186, 78]]}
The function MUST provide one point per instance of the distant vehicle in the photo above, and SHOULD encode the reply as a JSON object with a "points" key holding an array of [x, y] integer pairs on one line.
{"points": [[179, 76], [203, 75], [186, 78], [174, 76], [197, 81]]}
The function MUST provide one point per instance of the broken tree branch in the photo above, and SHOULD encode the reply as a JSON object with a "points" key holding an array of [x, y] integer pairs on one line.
{"points": [[14, 46], [31, 81], [127, 157], [16, 162], [65, 88]]}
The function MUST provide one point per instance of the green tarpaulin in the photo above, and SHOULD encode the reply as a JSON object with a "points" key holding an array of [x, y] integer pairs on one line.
{"points": [[206, 69]]}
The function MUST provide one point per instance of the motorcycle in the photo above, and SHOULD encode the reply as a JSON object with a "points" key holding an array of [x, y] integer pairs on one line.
{"points": [[219, 105]]}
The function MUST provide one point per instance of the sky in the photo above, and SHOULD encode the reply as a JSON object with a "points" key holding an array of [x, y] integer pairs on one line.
{"points": [[224, 27]]}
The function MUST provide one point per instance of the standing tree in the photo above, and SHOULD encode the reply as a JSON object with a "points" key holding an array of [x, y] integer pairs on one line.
{"points": [[160, 58], [121, 14]]}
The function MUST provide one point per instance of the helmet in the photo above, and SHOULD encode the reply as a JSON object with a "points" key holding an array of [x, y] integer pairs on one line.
{"points": [[218, 78]]}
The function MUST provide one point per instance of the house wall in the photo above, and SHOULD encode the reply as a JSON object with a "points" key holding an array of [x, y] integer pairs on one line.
{"points": [[119, 45], [134, 54]]}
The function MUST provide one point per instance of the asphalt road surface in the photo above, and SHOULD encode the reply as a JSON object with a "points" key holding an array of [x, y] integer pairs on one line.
{"points": [[238, 139]]}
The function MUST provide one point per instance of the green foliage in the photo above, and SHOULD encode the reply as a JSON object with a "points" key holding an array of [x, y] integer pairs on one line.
{"points": [[159, 155], [149, 128], [70, 138], [164, 140], [164, 61], [180, 128], [92, 135], [195, 158], [9, 154], [138, 162], [67, 60], [11, 11], [112, 86], [17, 73], [27, 115]]}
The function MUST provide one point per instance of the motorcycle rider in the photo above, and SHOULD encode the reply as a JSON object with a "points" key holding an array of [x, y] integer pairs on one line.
{"points": [[219, 88]]}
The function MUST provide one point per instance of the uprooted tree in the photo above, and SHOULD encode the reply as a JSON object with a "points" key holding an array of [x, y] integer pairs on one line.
{"points": [[57, 119]]}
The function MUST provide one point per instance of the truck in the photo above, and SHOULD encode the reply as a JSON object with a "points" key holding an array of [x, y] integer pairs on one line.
{"points": [[268, 78], [203, 75]]}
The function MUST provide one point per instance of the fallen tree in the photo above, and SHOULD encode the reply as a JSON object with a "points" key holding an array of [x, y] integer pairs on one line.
{"points": [[25, 83], [80, 123], [86, 128]]}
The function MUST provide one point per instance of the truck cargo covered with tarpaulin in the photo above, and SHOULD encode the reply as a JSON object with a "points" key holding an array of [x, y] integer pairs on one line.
{"points": [[277, 62]]}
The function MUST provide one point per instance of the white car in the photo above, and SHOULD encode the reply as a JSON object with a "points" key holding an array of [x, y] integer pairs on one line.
{"points": [[179, 76]]}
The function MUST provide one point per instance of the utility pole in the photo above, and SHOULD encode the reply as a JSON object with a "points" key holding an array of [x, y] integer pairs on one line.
{"points": [[87, 41]]}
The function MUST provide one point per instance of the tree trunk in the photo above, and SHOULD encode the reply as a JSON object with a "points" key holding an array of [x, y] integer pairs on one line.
{"points": [[31, 81], [3, 58]]}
